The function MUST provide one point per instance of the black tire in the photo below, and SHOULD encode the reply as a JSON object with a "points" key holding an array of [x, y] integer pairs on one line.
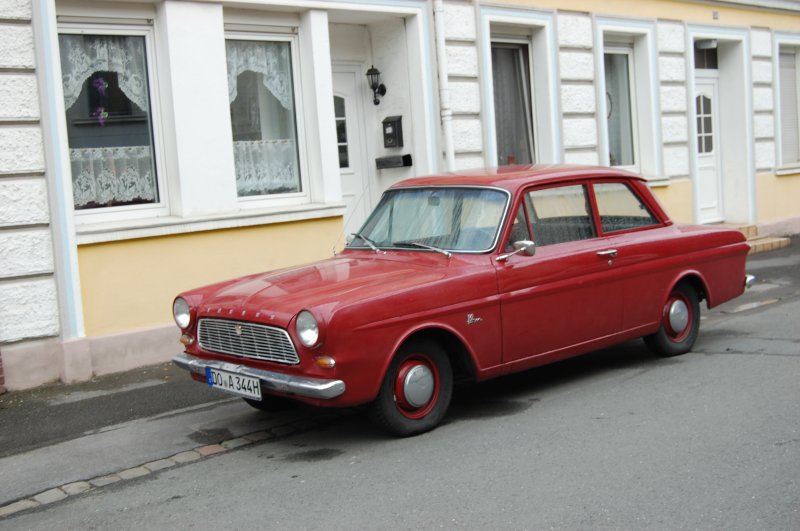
{"points": [[272, 403], [425, 362], [669, 341]]}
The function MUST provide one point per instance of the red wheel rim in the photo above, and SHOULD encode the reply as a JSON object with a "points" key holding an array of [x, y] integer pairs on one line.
{"points": [[678, 302], [418, 363]]}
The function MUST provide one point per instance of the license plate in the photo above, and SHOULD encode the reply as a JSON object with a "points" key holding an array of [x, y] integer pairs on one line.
{"points": [[236, 384]]}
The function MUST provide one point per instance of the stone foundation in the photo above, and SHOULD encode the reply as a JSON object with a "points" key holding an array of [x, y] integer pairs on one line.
{"points": [[33, 363], [784, 227]]}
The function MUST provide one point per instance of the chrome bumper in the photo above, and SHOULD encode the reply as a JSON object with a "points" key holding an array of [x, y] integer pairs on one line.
{"points": [[270, 381], [749, 280]]}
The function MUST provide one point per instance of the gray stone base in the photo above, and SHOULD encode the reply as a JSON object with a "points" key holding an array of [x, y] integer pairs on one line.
{"points": [[33, 363], [784, 227]]}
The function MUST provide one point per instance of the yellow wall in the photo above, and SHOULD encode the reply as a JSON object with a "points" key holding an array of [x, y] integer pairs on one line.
{"points": [[691, 12], [677, 200], [130, 284], [778, 197]]}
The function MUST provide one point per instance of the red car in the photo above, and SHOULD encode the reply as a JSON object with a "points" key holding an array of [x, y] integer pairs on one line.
{"points": [[469, 275]]}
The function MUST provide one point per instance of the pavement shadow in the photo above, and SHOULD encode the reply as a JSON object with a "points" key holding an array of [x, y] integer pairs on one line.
{"points": [[504, 396]]}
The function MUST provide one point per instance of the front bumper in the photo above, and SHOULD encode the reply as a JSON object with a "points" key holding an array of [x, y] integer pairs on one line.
{"points": [[270, 381]]}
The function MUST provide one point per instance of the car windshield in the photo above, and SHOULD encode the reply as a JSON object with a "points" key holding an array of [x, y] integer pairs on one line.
{"points": [[435, 218]]}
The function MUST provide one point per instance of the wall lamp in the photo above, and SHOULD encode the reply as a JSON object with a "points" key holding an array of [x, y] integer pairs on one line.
{"points": [[706, 44], [378, 88]]}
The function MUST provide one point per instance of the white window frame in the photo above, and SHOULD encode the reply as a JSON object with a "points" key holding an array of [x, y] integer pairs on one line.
{"points": [[792, 42], [627, 51], [292, 198], [126, 212], [538, 29], [530, 114], [640, 36]]}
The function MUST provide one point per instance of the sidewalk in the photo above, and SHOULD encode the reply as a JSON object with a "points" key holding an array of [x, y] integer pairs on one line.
{"points": [[54, 413], [60, 441]]}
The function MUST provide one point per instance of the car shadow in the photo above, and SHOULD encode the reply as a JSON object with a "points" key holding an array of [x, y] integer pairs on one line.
{"points": [[499, 397], [515, 393]]}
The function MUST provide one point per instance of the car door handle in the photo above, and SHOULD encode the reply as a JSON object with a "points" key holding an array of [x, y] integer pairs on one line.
{"points": [[611, 253]]}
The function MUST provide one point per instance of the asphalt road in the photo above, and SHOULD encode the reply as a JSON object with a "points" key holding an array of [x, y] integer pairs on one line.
{"points": [[614, 439]]}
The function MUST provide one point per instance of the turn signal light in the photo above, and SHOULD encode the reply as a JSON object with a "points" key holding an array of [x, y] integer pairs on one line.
{"points": [[187, 340], [325, 362]]}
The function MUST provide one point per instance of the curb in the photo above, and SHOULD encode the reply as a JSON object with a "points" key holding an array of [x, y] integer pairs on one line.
{"points": [[199, 453]]}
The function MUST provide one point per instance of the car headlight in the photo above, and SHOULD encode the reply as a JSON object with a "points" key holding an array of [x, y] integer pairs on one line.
{"points": [[307, 328], [180, 310]]}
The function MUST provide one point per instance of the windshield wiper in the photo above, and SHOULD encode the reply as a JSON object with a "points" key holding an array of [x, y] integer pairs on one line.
{"points": [[448, 254], [367, 241]]}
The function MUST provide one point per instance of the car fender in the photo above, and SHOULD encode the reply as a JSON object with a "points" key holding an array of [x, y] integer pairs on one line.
{"points": [[695, 277], [432, 328]]}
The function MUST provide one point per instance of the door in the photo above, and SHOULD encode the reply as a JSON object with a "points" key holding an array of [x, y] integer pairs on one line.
{"points": [[568, 293], [350, 138], [709, 170]]}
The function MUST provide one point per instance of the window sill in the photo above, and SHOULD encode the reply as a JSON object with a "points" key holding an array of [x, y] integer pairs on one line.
{"points": [[657, 181], [789, 169], [170, 225]]}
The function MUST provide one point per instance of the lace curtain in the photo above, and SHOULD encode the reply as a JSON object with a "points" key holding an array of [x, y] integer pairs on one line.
{"points": [[264, 132], [271, 59], [106, 176], [266, 167], [83, 55]]}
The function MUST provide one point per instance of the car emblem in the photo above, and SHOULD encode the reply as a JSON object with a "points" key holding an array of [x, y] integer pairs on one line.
{"points": [[471, 319], [237, 330]]}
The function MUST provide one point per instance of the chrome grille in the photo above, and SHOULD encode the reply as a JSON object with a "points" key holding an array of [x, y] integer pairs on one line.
{"points": [[247, 340]]}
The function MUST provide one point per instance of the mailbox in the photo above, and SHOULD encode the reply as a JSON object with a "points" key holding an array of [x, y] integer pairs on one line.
{"points": [[393, 161], [393, 132]]}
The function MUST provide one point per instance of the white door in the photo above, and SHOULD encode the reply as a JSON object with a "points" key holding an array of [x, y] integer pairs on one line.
{"points": [[353, 169], [709, 170]]}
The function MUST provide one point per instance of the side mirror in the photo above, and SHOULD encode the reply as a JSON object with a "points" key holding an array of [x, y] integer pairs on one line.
{"points": [[526, 247]]}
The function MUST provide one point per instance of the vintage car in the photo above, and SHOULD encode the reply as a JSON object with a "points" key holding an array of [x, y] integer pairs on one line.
{"points": [[463, 276]]}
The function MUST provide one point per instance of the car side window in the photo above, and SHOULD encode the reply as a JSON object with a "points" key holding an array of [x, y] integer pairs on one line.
{"points": [[561, 214], [620, 208]]}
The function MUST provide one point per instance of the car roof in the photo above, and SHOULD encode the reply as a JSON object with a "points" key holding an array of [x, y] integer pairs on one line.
{"points": [[513, 177]]}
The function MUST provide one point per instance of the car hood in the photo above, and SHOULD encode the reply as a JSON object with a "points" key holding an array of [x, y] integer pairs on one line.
{"points": [[324, 286]]}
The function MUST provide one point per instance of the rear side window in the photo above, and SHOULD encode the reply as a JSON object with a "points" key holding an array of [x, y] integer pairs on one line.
{"points": [[620, 209], [561, 214]]}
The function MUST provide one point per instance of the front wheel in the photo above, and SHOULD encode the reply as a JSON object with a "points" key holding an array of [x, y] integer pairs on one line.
{"points": [[680, 323], [416, 390]]}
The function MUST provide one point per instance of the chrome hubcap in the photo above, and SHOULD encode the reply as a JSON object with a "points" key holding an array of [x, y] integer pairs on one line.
{"points": [[678, 316], [418, 386]]}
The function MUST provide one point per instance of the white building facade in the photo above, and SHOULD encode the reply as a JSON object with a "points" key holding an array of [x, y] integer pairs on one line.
{"points": [[150, 147]]}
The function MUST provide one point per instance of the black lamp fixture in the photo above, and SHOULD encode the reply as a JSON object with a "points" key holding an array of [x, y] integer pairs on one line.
{"points": [[374, 79]]}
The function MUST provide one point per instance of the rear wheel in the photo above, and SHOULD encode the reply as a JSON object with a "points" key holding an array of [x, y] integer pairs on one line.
{"points": [[680, 322], [416, 390]]}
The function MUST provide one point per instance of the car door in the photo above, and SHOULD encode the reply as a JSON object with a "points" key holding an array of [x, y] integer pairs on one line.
{"points": [[639, 236], [567, 293]]}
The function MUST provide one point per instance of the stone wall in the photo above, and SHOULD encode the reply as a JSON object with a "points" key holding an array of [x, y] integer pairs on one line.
{"points": [[672, 81], [28, 301], [461, 39], [763, 101], [578, 103]]}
